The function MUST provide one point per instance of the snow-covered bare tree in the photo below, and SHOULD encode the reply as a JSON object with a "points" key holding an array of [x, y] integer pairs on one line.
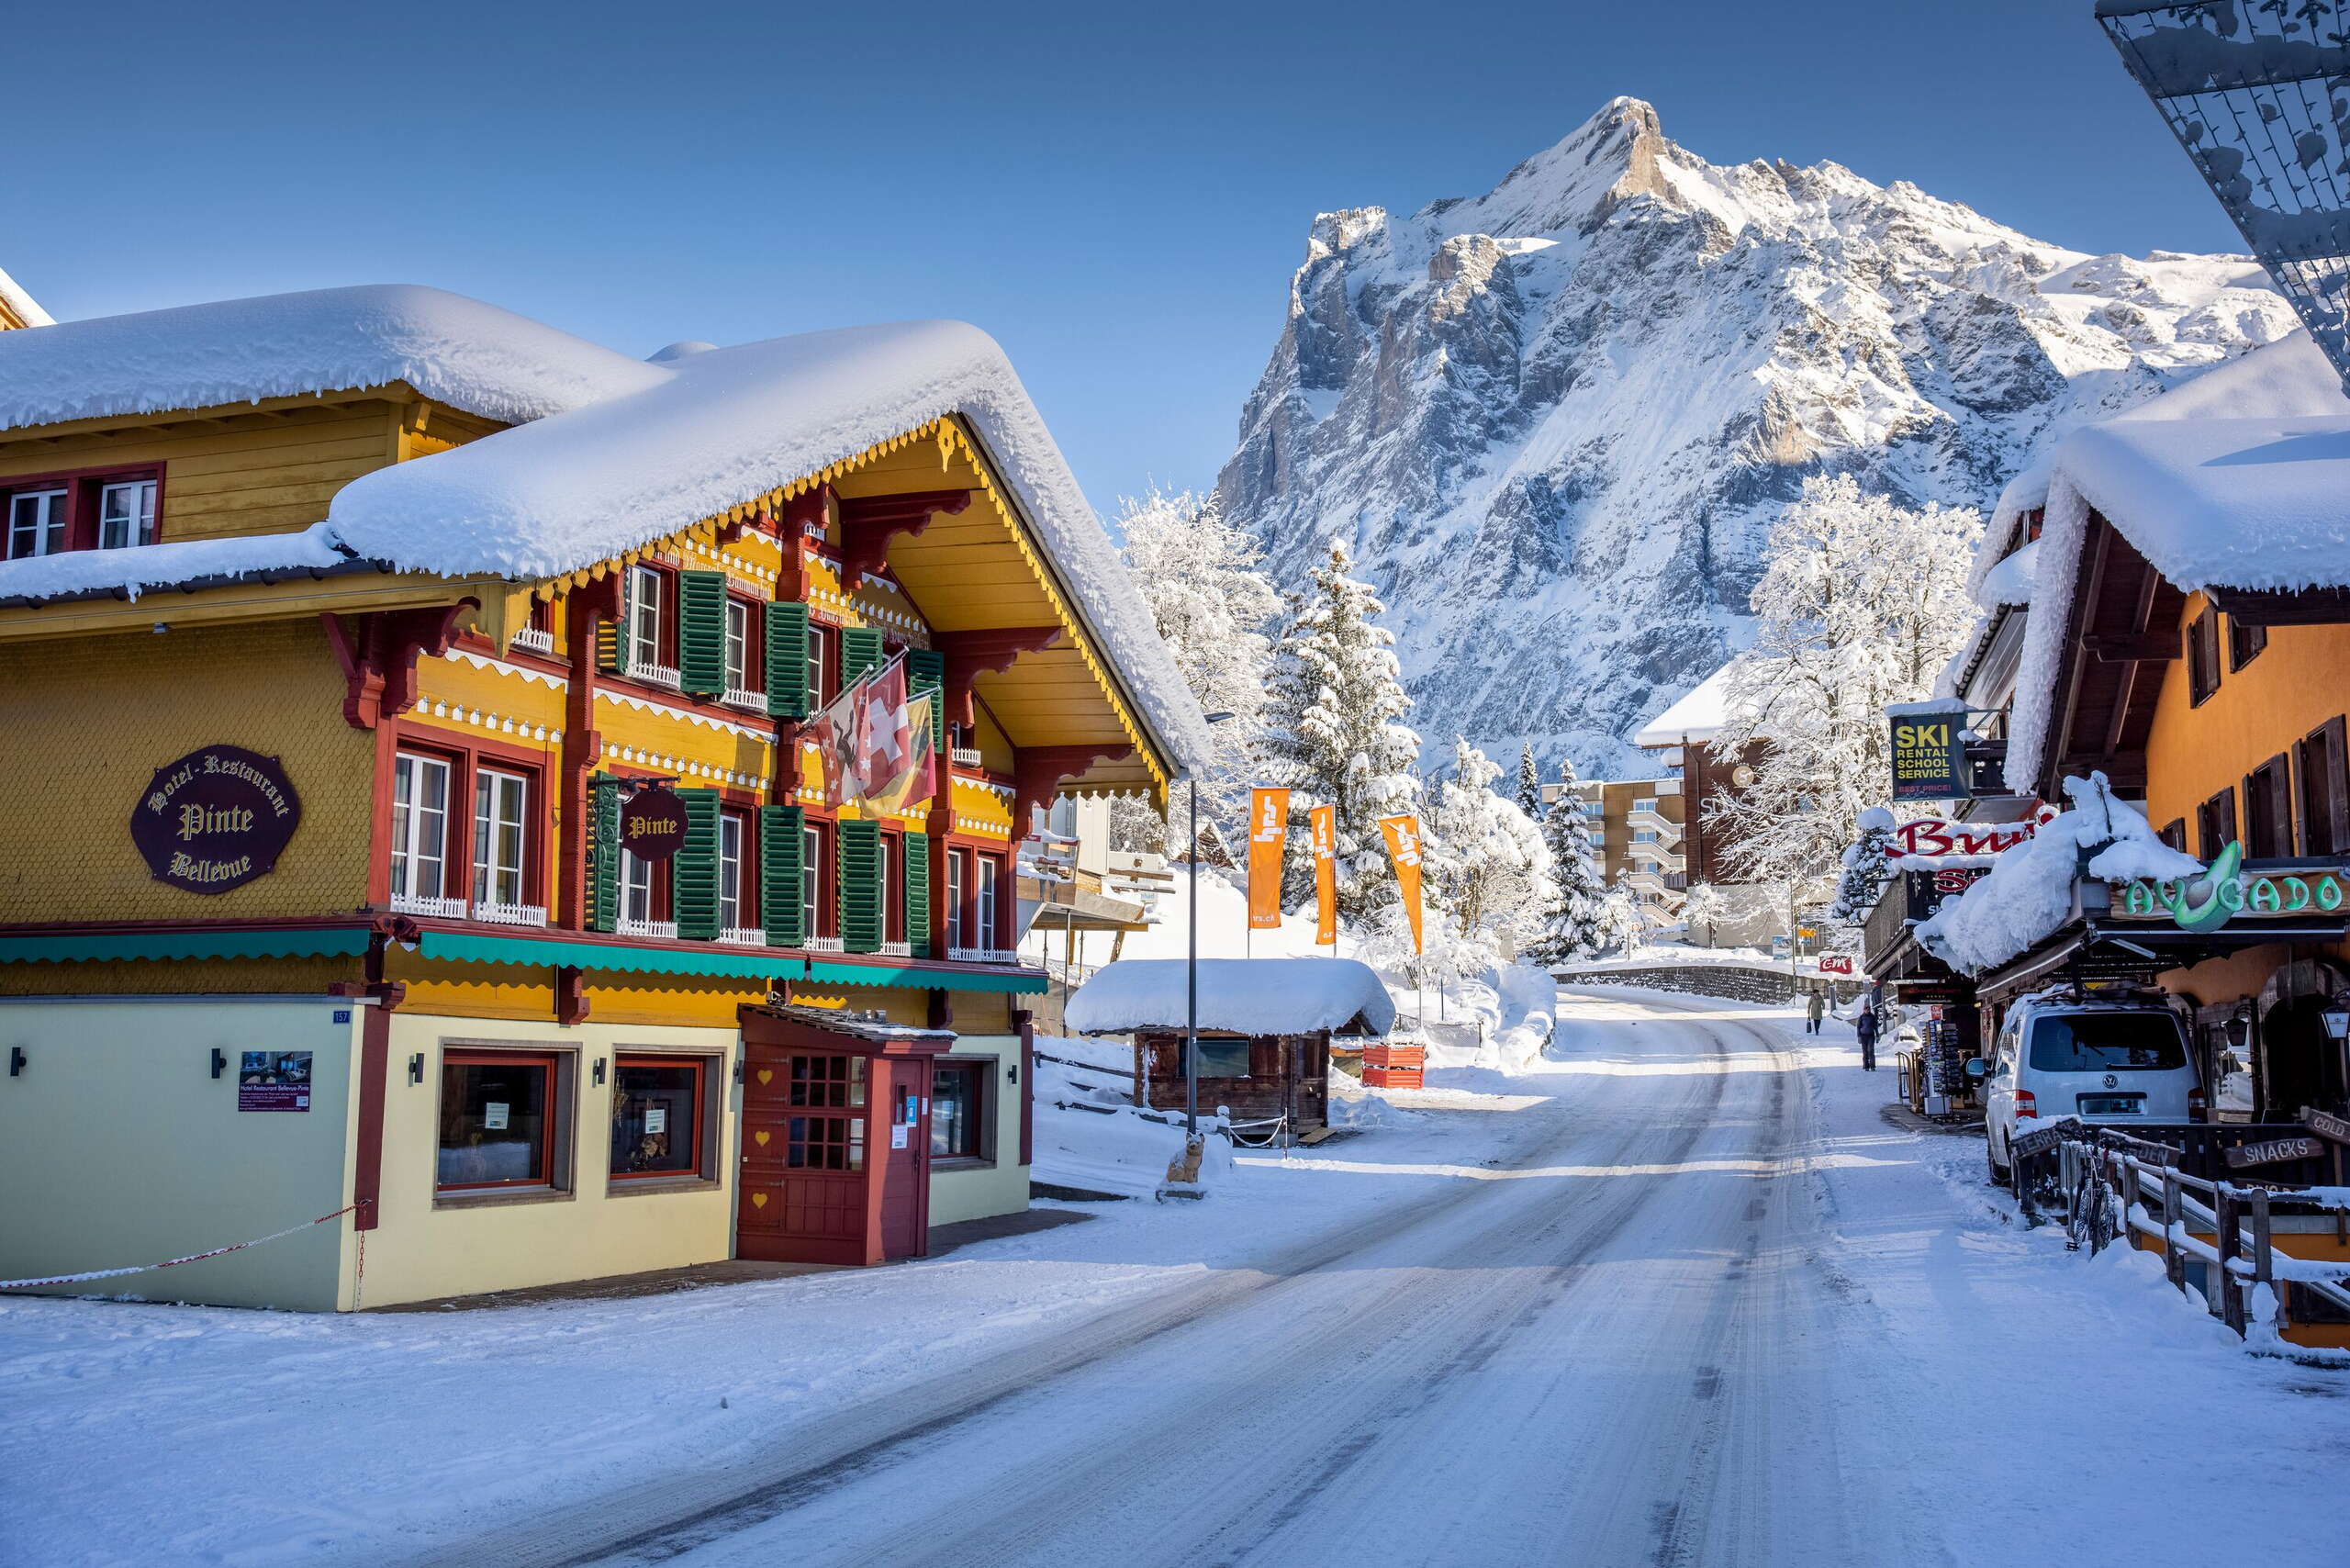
{"points": [[1213, 607], [1529, 784], [1487, 863], [1334, 736], [1577, 891], [1861, 603], [1619, 917], [1703, 908]]}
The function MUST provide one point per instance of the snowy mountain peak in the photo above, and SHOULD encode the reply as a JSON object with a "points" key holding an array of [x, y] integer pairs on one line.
{"points": [[1555, 421]]}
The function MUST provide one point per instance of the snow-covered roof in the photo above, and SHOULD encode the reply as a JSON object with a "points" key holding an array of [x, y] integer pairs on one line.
{"points": [[1697, 717], [1241, 996], [606, 452], [2009, 582], [22, 306], [2028, 893], [174, 563], [470, 355]]}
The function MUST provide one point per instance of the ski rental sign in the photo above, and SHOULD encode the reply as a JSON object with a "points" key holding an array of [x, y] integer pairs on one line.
{"points": [[1929, 757]]}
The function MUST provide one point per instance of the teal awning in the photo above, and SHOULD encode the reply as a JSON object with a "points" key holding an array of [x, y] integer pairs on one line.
{"points": [[235, 942], [737, 963]]}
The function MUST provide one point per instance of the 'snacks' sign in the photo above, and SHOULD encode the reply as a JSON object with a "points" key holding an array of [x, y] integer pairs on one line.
{"points": [[1929, 763], [216, 819]]}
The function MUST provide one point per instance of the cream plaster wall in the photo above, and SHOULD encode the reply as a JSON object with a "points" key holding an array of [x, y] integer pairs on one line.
{"points": [[1000, 1188], [117, 1147]]}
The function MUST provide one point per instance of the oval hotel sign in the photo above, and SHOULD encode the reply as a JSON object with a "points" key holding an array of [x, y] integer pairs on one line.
{"points": [[216, 819]]}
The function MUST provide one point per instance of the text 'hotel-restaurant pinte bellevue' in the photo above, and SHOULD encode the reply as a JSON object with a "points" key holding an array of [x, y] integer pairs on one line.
{"points": [[554, 811]]}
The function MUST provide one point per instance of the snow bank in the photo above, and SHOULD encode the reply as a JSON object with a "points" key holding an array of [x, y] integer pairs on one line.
{"points": [[1248, 996], [2029, 892], [1089, 1134], [168, 565], [467, 354]]}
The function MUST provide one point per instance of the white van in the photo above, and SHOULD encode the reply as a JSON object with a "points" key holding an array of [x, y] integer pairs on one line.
{"points": [[2111, 1059]]}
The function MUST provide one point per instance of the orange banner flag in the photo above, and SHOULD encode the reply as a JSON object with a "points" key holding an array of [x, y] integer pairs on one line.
{"points": [[1404, 849], [1267, 832], [1326, 875]]}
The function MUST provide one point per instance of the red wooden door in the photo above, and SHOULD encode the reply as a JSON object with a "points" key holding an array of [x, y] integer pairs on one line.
{"points": [[903, 1157], [802, 1197]]}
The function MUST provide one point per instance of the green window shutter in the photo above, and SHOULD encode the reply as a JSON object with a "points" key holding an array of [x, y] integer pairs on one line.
{"points": [[611, 633], [860, 652], [860, 885], [701, 632], [917, 892], [787, 660], [783, 851], [693, 873], [926, 671], [603, 852]]}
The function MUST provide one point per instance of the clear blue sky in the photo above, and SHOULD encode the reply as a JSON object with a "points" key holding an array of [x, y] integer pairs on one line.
{"points": [[1118, 193]]}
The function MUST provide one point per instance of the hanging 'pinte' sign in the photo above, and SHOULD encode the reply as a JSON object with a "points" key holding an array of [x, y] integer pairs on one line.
{"points": [[652, 823], [216, 819]]}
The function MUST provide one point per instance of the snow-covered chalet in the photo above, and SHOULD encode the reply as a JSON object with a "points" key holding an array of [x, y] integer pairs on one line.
{"points": [[416, 816]]}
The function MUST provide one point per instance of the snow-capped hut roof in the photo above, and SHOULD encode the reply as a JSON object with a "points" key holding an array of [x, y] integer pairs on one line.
{"points": [[19, 307], [1696, 718], [1237, 996]]}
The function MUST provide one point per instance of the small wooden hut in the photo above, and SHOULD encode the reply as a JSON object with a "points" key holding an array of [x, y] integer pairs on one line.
{"points": [[1265, 1028]]}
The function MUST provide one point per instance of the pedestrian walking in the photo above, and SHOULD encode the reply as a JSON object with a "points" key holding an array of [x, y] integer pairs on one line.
{"points": [[1813, 1007], [1866, 1027]]}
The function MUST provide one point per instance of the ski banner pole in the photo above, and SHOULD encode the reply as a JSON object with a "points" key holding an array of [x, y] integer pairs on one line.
{"points": [[169, 1263], [1326, 875]]}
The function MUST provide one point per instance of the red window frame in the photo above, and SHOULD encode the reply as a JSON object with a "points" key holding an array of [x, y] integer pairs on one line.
{"points": [[465, 758], [553, 1062], [755, 641], [827, 874], [893, 886], [700, 1065], [747, 901], [82, 487], [664, 623]]}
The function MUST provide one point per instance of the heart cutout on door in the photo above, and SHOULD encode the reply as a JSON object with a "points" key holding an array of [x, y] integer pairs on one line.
{"points": [[765, 1075], [758, 1200], [762, 1137]]}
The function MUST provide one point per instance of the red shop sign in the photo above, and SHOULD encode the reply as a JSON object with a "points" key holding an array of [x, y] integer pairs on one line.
{"points": [[216, 819]]}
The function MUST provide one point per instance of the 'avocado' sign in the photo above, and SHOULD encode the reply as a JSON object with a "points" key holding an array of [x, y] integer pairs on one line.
{"points": [[2227, 892]]}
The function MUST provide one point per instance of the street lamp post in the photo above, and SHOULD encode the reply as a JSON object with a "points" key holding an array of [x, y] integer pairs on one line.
{"points": [[1191, 968]]}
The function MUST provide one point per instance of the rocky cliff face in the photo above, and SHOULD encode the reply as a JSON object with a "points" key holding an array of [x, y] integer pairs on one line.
{"points": [[1556, 422]]}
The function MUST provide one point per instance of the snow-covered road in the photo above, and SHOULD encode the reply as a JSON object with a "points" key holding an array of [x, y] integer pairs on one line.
{"points": [[1679, 1295]]}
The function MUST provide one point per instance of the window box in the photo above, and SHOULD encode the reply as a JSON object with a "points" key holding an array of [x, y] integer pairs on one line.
{"points": [[501, 1121], [748, 701], [667, 930], [535, 640], [431, 908], [665, 676], [965, 757], [511, 914], [897, 949], [825, 944], [743, 936]]}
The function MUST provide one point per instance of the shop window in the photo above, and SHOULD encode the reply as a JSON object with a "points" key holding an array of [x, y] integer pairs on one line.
{"points": [[2215, 824], [36, 524], [498, 1120], [2269, 811], [2324, 791], [420, 825], [2245, 643], [658, 1115], [958, 1109], [2203, 657], [501, 802], [126, 514]]}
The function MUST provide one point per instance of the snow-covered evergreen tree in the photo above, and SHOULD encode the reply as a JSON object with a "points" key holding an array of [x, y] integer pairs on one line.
{"points": [[1702, 908], [1577, 892], [1862, 603], [1866, 871], [1333, 733], [1529, 784], [1487, 863], [1213, 609]]}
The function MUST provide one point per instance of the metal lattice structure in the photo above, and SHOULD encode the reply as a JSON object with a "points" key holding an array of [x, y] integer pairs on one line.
{"points": [[2258, 92]]}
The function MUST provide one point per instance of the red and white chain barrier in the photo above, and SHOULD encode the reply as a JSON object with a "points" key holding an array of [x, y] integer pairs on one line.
{"points": [[173, 1263]]}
